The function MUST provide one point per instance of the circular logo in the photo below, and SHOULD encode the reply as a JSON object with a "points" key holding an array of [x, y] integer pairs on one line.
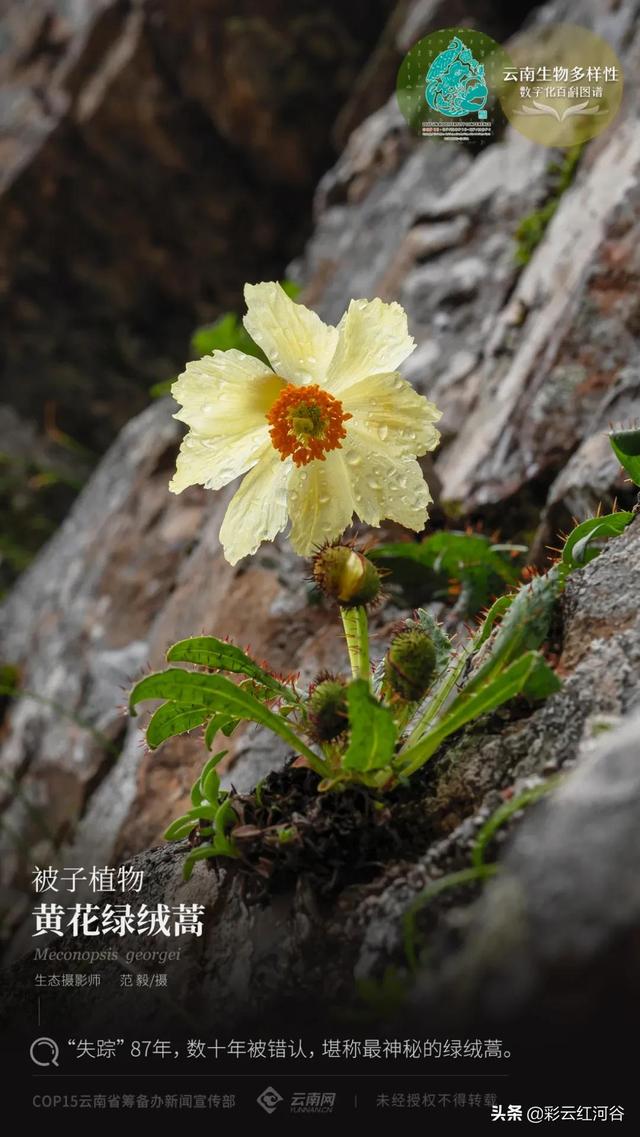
{"points": [[564, 86], [449, 85]]}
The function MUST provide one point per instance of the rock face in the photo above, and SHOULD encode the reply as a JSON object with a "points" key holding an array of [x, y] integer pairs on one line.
{"points": [[529, 366], [155, 156], [566, 902]]}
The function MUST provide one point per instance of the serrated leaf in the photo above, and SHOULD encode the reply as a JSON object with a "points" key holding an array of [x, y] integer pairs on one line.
{"points": [[172, 719], [207, 651], [579, 548], [626, 447], [217, 694], [373, 731]]}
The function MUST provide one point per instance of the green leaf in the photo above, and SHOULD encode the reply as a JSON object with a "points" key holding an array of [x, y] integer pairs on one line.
{"points": [[216, 723], [503, 813], [579, 550], [225, 818], [184, 824], [159, 390], [524, 627], [212, 762], [229, 332], [218, 694], [468, 557], [528, 674], [450, 880], [171, 719], [207, 786], [201, 853], [226, 333], [495, 613], [373, 731], [207, 651], [210, 785], [292, 288], [179, 828], [439, 639], [626, 447]]}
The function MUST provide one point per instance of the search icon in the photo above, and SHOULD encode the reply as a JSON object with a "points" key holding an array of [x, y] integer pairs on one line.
{"points": [[46, 1046]]}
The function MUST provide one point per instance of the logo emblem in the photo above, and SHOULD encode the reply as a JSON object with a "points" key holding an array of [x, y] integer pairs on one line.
{"points": [[269, 1099], [449, 86], [456, 83]]}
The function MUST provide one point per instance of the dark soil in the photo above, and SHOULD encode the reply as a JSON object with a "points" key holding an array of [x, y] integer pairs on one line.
{"points": [[287, 829]]}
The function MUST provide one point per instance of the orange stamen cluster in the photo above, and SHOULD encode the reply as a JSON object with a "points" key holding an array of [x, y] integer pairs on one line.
{"points": [[306, 422]]}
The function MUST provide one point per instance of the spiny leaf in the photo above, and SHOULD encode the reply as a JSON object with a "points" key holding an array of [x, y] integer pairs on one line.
{"points": [[495, 613], [579, 549], [171, 719], [207, 651], [525, 625], [217, 694], [528, 674], [373, 731], [626, 447], [439, 639]]}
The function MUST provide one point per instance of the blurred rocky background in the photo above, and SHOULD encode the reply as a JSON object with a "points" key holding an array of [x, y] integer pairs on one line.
{"points": [[157, 155]]}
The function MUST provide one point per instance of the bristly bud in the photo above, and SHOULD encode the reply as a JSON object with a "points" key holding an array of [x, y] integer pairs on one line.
{"points": [[409, 665], [345, 575], [327, 708]]}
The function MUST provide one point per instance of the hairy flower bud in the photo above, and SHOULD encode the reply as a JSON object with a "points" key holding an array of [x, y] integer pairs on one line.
{"points": [[328, 709], [346, 576], [409, 665]]}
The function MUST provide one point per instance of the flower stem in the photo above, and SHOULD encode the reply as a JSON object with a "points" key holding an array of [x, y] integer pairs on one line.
{"points": [[356, 631]]}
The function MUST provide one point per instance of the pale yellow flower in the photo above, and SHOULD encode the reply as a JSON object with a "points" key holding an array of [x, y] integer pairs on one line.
{"points": [[331, 429]]}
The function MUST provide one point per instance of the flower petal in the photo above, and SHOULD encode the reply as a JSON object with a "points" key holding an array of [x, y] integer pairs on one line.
{"points": [[392, 412], [297, 343], [258, 509], [373, 338], [384, 484], [320, 502], [225, 392], [214, 462]]}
